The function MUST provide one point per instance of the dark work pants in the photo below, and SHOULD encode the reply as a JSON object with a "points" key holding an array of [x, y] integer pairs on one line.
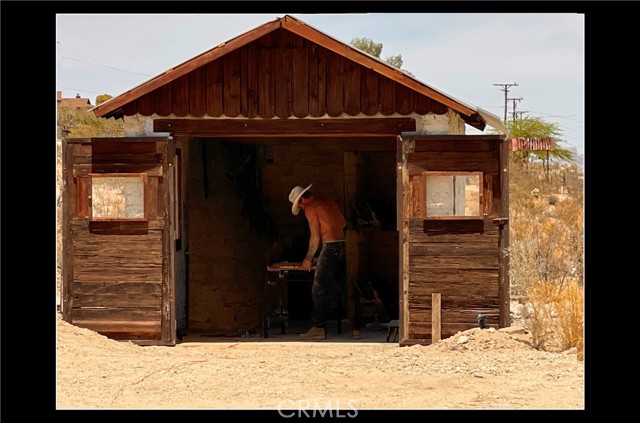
{"points": [[330, 272]]}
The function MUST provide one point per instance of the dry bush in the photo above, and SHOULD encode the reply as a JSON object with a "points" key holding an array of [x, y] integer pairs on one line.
{"points": [[570, 307], [555, 316], [546, 240], [546, 258]]}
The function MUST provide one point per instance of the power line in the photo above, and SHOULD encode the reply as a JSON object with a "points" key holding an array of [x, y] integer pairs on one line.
{"points": [[514, 105], [103, 66], [505, 88], [77, 89]]}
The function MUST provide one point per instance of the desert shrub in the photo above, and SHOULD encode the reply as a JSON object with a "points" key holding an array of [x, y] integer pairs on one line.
{"points": [[570, 308], [83, 123], [555, 316], [546, 257]]}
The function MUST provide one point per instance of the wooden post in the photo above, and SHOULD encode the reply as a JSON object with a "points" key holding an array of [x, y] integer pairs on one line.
{"points": [[435, 318]]}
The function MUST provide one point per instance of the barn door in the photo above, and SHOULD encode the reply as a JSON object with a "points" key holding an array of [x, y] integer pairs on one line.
{"points": [[118, 238]]}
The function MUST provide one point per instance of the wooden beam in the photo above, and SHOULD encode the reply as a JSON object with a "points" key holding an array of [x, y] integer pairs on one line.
{"points": [[503, 244], [402, 222], [291, 127], [435, 317]]}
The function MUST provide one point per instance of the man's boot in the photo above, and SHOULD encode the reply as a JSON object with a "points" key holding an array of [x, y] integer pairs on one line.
{"points": [[315, 333]]}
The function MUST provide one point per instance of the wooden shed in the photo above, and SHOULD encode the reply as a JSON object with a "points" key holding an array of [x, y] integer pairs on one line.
{"points": [[172, 226]]}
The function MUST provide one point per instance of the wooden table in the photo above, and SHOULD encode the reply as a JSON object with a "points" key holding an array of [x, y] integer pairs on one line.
{"points": [[285, 271]]}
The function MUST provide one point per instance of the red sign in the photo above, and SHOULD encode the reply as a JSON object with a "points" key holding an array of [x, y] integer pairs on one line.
{"points": [[530, 144]]}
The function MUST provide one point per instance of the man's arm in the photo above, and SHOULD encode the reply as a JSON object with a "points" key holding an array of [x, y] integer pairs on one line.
{"points": [[314, 238]]}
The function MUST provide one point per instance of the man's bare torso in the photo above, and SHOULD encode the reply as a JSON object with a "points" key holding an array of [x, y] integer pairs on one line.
{"points": [[330, 218]]}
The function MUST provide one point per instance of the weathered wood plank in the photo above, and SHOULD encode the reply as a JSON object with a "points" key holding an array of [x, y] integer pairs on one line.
{"points": [[418, 196], [151, 199], [128, 315], [266, 94], [120, 227], [459, 262], [460, 313], [197, 93], [404, 99], [482, 276], [83, 184], [278, 127], [314, 85], [213, 88], [117, 288], [108, 273], [321, 82], [231, 84], [117, 300], [283, 93], [125, 328], [119, 158], [454, 231], [252, 81], [387, 96], [81, 170], [454, 144], [300, 81], [180, 96], [483, 161], [437, 230], [444, 249], [352, 88], [454, 299], [132, 145], [335, 85], [147, 103], [168, 306], [164, 100], [435, 317], [82, 226], [472, 287], [244, 82], [369, 92], [424, 104]]}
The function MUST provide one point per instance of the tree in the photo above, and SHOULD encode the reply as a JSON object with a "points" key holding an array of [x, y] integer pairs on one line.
{"points": [[369, 46], [102, 98], [537, 128]]}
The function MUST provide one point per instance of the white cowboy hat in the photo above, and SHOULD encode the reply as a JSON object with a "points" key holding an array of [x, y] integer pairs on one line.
{"points": [[294, 197]]}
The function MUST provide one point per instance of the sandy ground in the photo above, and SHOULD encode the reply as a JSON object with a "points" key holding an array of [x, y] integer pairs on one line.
{"points": [[475, 369]]}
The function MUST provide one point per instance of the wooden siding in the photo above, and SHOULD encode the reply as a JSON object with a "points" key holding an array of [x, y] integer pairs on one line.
{"points": [[459, 259], [117, 272], [282, 75], [462, 267]]}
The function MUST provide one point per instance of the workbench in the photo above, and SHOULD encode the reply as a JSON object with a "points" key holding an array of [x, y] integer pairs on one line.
{"points": [[278, 277]]}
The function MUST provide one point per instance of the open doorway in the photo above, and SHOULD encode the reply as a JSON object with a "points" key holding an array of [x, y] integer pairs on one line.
{"points": [[237, 220]]}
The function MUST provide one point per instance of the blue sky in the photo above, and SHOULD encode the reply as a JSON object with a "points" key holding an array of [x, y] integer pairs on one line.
{"points": [[461, 54]]}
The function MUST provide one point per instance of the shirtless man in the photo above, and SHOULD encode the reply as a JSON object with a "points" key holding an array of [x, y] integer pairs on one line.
{"points": [[326, 224]]}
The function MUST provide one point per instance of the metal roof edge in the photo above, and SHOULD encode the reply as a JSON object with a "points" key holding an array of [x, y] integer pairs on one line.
{"points": [[493, 121]]}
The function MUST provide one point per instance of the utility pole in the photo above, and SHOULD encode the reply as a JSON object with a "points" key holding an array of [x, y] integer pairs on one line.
{"points": [[514, 106], [520, 113], [505, 88]]}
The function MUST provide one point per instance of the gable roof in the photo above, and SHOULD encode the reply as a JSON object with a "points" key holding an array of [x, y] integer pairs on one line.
{"points": [[472, 115], [76, 102]]}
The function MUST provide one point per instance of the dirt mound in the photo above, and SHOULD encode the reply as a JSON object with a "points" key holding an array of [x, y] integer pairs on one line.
{"points": [[75, 337], [477, 339]]}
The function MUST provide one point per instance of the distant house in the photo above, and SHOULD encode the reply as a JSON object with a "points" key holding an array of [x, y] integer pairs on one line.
{"points": [[77, 103]]}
